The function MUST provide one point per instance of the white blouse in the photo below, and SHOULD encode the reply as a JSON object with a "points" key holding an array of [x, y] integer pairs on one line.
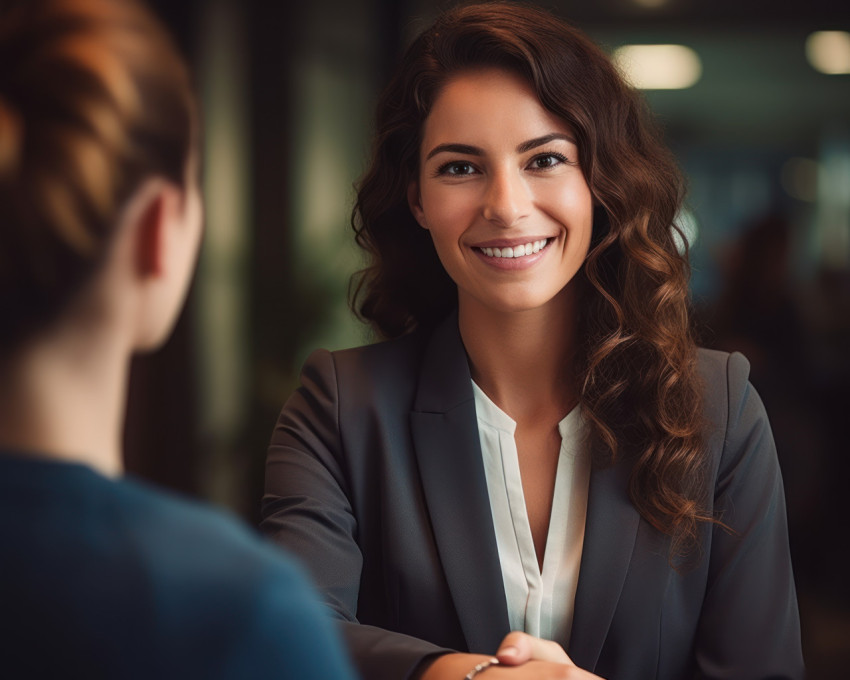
{"points": [[540, 604]]}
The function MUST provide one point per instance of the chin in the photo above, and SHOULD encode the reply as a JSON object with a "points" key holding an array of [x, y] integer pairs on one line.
{"points": [[518, 304], [517, 299]]}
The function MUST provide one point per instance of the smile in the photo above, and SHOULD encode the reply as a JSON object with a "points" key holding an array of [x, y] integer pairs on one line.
{"points": [[516, 251]]}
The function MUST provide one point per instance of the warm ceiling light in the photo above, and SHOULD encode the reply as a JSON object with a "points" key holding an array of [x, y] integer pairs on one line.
{"points": [[659, 67], [829, 51]]}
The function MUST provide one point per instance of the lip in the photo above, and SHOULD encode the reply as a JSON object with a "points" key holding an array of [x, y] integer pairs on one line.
{"points": [[510, 242]]}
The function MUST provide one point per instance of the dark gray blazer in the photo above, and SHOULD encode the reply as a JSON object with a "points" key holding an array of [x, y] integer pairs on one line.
{"points": [[374, 478]]}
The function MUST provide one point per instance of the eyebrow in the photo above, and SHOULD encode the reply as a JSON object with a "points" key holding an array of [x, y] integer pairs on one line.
{"points": [[469, 150], [465, 149], [545, 139]]}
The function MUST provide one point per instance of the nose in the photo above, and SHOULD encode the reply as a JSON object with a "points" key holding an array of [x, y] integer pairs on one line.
{"points": [[506, 199]]}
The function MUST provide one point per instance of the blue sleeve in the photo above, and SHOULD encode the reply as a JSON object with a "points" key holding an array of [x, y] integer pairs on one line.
{"points": [[289, 635], [223, 604]]}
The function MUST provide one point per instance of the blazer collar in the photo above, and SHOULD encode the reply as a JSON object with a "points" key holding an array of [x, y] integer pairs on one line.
{"points": [[448, 451], [610, 534], [444, 378]]}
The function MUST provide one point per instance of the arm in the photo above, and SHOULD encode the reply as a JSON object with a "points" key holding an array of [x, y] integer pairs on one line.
{"points": [[308, 509], [749, 625]]}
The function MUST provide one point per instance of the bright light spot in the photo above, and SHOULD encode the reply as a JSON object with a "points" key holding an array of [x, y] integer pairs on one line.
{"points": [[659, 67], [829, 51], [799, 177], [687, 223]]}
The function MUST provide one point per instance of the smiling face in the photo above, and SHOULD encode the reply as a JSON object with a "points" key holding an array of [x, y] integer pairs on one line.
{"points": [[501, 193]]}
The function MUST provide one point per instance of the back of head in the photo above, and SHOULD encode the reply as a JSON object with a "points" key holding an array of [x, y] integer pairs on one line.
{"points": [[94, 98]]}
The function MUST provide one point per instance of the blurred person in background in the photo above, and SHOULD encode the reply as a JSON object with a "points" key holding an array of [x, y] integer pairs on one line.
{"points": [[757, 314], [797, 337], [538, 463], [100, 222]]}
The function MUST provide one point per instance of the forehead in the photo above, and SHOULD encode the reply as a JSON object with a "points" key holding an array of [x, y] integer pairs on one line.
{"points": [[484, 106]]}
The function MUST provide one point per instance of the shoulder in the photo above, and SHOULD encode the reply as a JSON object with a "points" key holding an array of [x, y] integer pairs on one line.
{"points": [[726, 386], [117, 523], [169, 587], [722, 373], [383, 370], [222, 581], [381, 358], [739, 437], [186, 539]]}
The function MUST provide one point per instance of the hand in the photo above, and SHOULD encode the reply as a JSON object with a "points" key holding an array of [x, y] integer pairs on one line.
{"points": [[522, 657], [519, 649]]}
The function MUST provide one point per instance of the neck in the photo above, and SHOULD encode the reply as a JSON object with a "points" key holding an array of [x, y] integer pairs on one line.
{"points": [[63, 398], [523, 360]]}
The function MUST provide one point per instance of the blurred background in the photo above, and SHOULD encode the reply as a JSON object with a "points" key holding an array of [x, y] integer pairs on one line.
{"points": [[753, 97]]}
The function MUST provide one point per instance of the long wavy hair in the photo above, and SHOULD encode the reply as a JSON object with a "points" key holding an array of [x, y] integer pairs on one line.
{"points": [[640, 392]]}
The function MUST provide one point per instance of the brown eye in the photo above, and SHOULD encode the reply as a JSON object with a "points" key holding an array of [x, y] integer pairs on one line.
{"points": [[458, 169], [546, 161]]}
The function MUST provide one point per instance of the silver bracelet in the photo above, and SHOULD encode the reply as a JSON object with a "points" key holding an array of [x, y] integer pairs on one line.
{"points": [[480, 668]]}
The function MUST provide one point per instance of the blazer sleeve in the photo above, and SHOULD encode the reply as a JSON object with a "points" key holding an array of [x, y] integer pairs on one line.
{"points": [[749, 626], [308, 509]]}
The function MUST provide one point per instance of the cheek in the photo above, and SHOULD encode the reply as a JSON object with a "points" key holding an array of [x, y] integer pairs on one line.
{"points": [[447, 209], [572, 206]]}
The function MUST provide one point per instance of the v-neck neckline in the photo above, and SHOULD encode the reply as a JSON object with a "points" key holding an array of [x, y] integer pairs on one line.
{"points": [[537, 585]]}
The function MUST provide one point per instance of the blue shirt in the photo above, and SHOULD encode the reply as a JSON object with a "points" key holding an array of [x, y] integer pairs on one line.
{"points": [[104, 578]]}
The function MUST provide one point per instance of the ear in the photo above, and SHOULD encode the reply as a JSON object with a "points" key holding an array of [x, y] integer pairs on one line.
{"points": [[158, 204], [414, 200]]}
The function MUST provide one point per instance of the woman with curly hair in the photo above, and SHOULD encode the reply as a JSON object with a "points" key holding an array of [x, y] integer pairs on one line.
{"points": [[103, 576], [538, 463]]}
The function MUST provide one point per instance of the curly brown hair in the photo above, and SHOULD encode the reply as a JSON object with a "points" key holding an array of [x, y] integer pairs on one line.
{"points": [[640, 391]]}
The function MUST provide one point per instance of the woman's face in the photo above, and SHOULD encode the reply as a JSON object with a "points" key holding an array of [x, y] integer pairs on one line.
{"points": [[501, 193]]}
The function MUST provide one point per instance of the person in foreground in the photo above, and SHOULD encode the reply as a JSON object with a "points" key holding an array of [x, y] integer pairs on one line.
{"points": [[100, 221], [538, 463]]}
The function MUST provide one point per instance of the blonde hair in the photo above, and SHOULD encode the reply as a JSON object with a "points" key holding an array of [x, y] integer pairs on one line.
{"points": [[94, 98]]}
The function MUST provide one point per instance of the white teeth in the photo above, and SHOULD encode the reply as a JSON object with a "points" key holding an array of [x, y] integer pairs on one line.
{"points": [[516, 251]]}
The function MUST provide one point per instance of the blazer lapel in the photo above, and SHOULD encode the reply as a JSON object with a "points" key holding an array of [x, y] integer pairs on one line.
{"points": [[609, 540], [448, 451]]}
